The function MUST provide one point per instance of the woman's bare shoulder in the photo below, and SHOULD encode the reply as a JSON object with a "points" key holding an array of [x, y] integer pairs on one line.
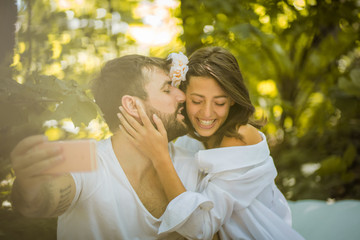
{"points": [[250, 136]]}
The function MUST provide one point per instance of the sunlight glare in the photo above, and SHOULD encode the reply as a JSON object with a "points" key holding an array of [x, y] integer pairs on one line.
{"points": [[151, 36], [159, 26], [267, 88]]}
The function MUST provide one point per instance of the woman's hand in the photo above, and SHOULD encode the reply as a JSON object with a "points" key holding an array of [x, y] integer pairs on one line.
{"points": [[151, 141]]}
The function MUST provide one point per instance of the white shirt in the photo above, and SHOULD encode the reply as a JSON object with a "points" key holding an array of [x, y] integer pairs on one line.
{"points": [[239, 181], [239, 200], [106, 206]]}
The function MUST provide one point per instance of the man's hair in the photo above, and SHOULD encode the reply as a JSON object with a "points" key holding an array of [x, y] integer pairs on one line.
{"points": [[123, 76], [222, 66]]}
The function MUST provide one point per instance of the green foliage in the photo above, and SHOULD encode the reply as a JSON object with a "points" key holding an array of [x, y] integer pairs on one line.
{"points": [[300, 60], [40, 99], [310, 49], [71, 40], [55, 42], [62, 41]]}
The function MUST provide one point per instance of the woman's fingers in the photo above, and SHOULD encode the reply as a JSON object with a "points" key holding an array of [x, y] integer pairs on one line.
{"points": [[143, 116], [130, 138], [160, 126], [125, 124], [131, 121]]}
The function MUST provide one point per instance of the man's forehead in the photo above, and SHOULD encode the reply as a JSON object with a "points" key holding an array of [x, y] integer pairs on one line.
{"points": [[155, 75]]}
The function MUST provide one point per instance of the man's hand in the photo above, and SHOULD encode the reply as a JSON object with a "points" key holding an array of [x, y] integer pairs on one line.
{"points": [[29, 159], [35, 193]]}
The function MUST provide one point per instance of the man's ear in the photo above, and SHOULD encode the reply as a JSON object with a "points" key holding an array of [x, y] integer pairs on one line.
{"points": [[129, 104]]}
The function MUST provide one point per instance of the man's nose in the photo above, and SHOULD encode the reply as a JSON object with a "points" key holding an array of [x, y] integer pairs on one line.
{"points": [[180, 95]]}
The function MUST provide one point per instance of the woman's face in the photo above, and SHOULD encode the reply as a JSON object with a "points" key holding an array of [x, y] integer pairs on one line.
{"points": [[207, 105]]}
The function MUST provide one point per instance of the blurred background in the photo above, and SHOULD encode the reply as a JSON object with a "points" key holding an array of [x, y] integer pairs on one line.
{"points": [[300, 60]]}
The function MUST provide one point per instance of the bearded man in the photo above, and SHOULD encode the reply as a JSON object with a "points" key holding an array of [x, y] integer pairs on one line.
{"points": [[123, 198]]}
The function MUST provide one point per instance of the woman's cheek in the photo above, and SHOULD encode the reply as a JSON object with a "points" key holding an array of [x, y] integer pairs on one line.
{"points": [[191, 110]]}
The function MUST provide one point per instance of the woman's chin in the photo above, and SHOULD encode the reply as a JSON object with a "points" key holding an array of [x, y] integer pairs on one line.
{"points": [[205, 132]]}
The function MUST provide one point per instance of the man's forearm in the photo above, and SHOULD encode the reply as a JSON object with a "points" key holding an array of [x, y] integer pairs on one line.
{"points": [[34, 204], [51, 199]]}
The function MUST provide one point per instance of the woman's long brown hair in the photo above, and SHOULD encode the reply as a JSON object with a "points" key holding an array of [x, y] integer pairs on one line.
{"points": [[222, 66]]}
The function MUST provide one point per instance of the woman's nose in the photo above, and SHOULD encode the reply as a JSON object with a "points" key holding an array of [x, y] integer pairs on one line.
{"points": [[206, 110]]}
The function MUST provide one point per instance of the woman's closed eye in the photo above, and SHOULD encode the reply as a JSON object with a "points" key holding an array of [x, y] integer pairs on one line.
{"points": [[220, 104]]}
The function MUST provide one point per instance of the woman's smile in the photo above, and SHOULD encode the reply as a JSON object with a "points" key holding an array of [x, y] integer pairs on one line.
{"points": [[207, 124], [207, 105]]}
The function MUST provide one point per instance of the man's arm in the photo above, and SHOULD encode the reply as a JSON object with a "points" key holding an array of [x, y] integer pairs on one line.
{"points": [[35, 193]]}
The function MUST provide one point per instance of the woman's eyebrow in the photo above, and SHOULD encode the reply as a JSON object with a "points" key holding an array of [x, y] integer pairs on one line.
{"points": [[199, 95]]}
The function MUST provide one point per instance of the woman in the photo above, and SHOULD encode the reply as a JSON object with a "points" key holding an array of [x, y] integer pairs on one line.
{"points": [[236, 171]]}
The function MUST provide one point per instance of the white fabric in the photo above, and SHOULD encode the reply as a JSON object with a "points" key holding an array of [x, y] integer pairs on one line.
{"points": [[107, 207], [240, 182], [245, 203], [316, 219]]}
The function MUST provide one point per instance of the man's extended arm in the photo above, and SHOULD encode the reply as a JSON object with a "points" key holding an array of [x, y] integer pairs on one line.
{"points": [[35, 193]]}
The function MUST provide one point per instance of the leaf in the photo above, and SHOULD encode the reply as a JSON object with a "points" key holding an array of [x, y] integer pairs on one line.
{"points": [[246, 30], [88, 112], [355, 77], [348, 86], [77, 107], [349, 155], [332, 165]]}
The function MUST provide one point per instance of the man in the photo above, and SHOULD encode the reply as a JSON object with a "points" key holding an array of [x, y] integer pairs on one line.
{"points": [[123, 198]]}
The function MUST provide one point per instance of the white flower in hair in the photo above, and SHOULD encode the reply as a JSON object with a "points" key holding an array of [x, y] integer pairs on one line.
{"points": [[178, 68]]}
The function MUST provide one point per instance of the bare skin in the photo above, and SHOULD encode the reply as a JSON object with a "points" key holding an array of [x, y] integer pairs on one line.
{"points": [[38, 194], [141, 175], [157, 148]]}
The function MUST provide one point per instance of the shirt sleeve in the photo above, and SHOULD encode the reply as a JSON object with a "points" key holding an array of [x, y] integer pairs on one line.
{"points": [[229, 184], [193, 214], [86, 183]]}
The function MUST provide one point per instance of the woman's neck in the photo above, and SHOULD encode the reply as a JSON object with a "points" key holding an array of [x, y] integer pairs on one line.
{"points": [[210, 143]]}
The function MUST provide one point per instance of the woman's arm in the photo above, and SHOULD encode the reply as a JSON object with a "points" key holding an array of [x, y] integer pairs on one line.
{"points": [[191, 214], [153, 143]]}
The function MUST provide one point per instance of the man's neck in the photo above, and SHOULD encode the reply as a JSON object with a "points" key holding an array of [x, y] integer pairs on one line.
{"points": [[141, 174], [130, 158]]}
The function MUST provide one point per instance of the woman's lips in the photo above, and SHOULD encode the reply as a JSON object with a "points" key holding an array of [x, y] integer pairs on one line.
{"points": [[206, 124]]}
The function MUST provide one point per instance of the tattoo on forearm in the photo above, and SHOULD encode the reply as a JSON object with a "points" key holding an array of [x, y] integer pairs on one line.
{"points": [[64, 200]]}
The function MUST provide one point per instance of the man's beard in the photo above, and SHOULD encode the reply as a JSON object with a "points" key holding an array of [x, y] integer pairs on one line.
{"points": [[173, 126]]}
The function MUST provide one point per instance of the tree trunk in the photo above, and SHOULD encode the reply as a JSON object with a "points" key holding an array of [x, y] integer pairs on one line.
{"points": [[8, 16], [192, 30]]}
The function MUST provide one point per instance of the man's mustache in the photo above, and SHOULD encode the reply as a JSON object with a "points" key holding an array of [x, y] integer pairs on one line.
{"points": [[179, 106]]}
